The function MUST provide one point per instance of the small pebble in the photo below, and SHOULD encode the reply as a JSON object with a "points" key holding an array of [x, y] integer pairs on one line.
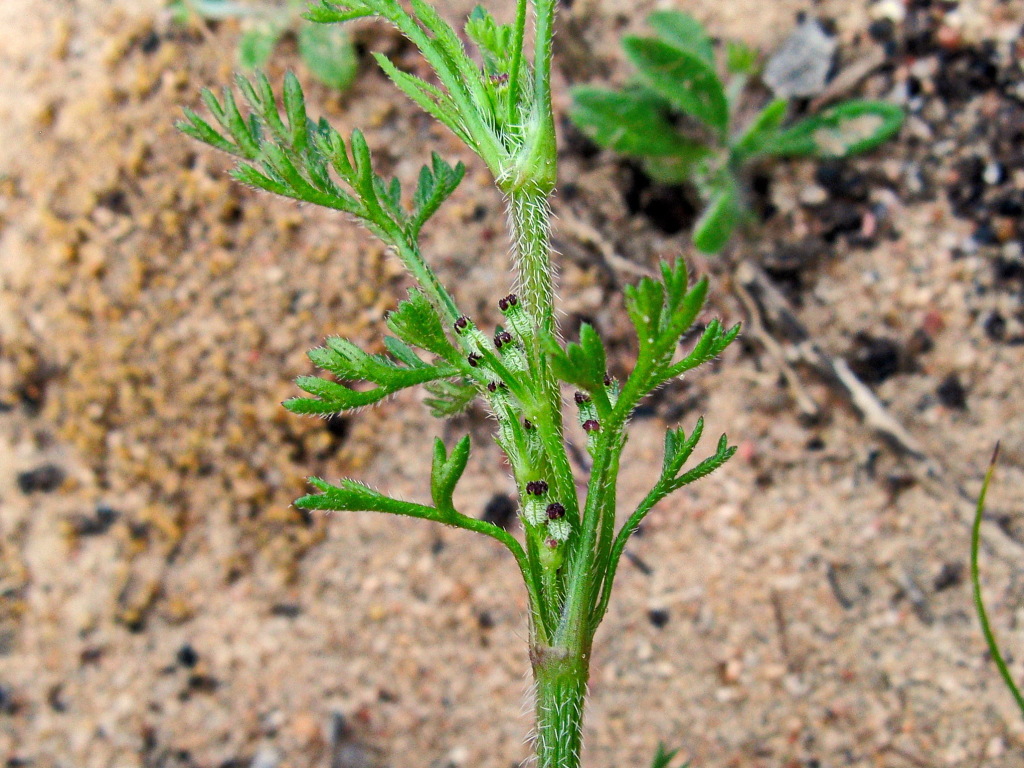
{"points": [[658, 617], [43, 479], [874, 359], [952, 393], [800, 66], [891, 10], [812, 195], [951, 575], [995, 327], [187, 656]]}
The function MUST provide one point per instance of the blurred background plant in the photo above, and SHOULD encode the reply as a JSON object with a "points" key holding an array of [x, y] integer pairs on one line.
{"points": [[680, 118], [327, 50]]}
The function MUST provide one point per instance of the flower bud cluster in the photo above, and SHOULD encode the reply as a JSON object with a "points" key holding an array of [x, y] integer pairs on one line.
{"points": [[587, 413], [515, 316], [538, 510]]}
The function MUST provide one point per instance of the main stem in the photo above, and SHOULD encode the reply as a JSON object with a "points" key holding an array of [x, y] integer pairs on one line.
{"points": [[560, 675], [561, 670]]}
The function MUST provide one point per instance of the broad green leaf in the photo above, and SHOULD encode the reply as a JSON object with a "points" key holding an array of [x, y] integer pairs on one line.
{"points": [[716, 224], [677, 169], [630, 122], [329, 53], [762, 130], [256, 45], [840, 131], [684, 79], [684, 32]]}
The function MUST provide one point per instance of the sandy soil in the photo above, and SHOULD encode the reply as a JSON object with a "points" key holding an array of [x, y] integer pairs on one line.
{"points": [[161, 603]]}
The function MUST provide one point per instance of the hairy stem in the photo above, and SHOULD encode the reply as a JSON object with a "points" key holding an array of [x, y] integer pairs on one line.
{"points": [[529, 222], [561, 676]]}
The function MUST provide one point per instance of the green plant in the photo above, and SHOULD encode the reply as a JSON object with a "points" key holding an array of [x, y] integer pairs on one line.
{"points": [[678, 116], [500, 106], [328, 51], [979, 603]]}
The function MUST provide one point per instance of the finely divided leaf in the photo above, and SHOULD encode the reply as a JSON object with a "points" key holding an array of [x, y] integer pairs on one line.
{"points": [[427, 97], [582, 365], [416, 322], [446, 472], [436, 184], [679, 447], [328, 13], [723, 453], [712, 343], [449, 398], [663, 758], [493, 39]]}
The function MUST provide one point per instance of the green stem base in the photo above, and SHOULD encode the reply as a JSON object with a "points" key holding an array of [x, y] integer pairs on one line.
{"points": [[561, 679]]}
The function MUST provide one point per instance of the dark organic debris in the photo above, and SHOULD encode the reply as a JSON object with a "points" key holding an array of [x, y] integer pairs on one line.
{"points": [[951, 393], [658, 617], [874, 359], [43, 479]]}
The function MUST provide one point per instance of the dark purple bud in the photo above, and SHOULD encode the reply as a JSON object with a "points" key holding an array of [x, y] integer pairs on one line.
{"points": [[537, 487], [555, 511], [500, 79], [528, 425], [462, 323], [551, 543], [474, 359], [608, 379], [591, 425], [581, 398], [509, 301], [502, 338], [492, 386]]}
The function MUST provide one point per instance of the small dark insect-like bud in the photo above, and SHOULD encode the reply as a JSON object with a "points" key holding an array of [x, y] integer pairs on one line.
{"points": [[555, 511], [462, 323], [492, 386], [581, 398], [509, 301], [474, 359], [591, 425], [502, 338], [528, 425], [608, 379], [537, 487]]}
